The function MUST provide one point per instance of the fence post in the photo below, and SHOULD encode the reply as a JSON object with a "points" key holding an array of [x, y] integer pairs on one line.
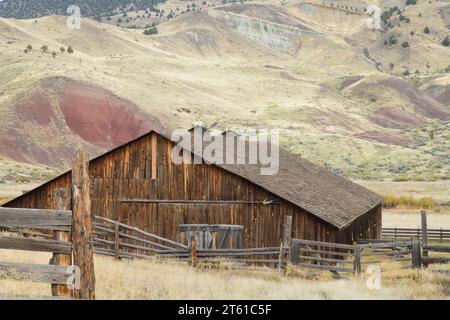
{"points": [[295, 252], [280, 258], [287, 236], [415, 253], [82, 239], [423, 215], [194, 250], [116, 241], [357, 262], [59, 203]]}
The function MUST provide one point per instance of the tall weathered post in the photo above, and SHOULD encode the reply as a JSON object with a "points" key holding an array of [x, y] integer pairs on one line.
{"points": [[423, 215], [287, 235], [61, 202], [82, 239], [416, 254], [357, 261], [194, 259], [287, 242]]}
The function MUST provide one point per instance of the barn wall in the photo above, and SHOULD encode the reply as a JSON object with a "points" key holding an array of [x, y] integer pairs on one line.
{"points": [[127, 173], [368, 226]]}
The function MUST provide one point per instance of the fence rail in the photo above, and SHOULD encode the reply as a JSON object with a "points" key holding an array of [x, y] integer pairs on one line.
{"points": [[408, 233], [37, 273]]}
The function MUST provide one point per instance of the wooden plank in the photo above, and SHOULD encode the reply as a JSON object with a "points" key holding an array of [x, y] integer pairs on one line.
{"points": [[235, 254], [423, 216], [436, 259], [324, 244], [265, 261], [137, 230], [82, 228], [327, 268], [34, 272], [60, 203], [245, 250], [127, 236], [154, 155], [34, 218], [413, 230], [416, 254], [325, 252], [295, 252], [197, 202], [321, 259], [117, 241], [437, 248], [357, 261], [386, 253], [384, 245], [30, 244], [194, 251], [287, 235], [128, 245]]}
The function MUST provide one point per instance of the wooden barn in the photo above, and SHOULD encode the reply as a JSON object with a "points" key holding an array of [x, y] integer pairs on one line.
{"points": [[138, 184]]}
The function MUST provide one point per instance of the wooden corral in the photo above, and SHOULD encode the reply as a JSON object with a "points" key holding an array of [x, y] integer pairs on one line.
{"points": [[138, 184]]}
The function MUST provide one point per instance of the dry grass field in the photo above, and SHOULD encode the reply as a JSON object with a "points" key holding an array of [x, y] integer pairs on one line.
{"points": [[411, 219], [176, 280]]}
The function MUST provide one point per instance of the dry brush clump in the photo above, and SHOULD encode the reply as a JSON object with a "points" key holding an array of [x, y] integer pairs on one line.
{"points": [[392, 201]]}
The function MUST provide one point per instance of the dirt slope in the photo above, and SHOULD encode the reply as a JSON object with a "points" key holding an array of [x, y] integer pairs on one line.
{"points": [[317, 74]]}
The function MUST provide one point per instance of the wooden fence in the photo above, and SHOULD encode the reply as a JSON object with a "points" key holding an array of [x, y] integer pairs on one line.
{"points": [[119, 240], [122, 241], [337, 257], [71, 269], [56, 275], [408, 233]]}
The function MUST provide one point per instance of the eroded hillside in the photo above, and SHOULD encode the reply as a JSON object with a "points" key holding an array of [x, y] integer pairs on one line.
{"points": [[317, 73]]}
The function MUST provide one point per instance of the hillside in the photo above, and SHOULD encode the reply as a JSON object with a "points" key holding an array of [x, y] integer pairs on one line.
{"points": [[30, 9], [317, 73]]}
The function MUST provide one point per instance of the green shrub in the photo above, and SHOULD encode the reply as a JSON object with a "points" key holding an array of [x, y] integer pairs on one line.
{"points": [[150, 31]]}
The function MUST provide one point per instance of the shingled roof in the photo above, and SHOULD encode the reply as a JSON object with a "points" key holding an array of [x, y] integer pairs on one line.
{"points": [[315, 189]]}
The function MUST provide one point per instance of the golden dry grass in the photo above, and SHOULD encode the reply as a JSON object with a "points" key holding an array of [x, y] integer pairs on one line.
{"points": [[141, 279]]}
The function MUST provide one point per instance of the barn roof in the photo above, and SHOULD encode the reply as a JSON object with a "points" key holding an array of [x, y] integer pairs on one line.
{"points": [[317, 190], [330, 197]]}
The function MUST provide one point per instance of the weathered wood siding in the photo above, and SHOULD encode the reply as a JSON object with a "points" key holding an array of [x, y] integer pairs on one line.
{"points": [[143, 169]]}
